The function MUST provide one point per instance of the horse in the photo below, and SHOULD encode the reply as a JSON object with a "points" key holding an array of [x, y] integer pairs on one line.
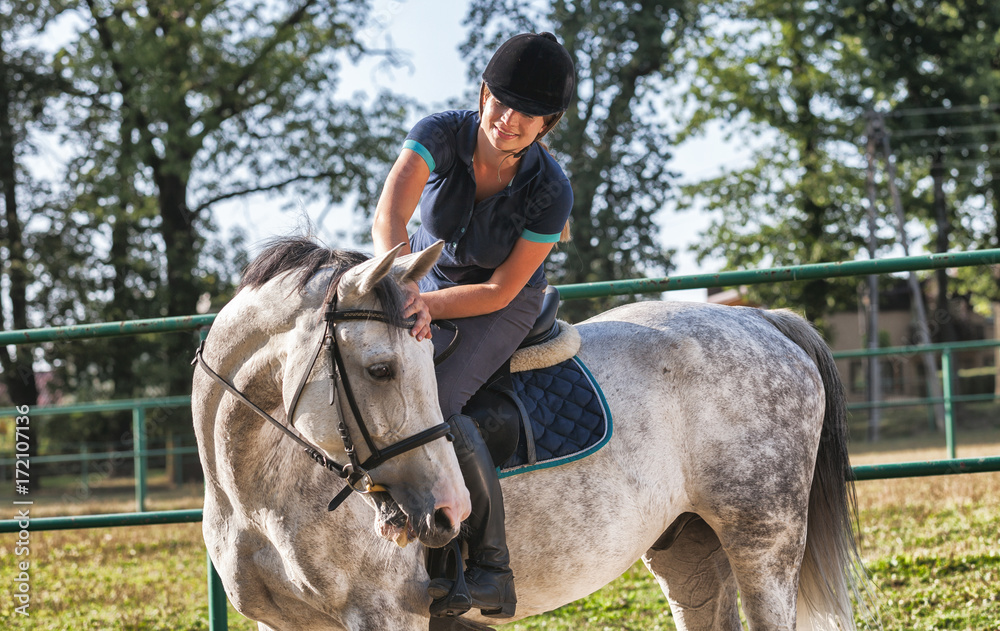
{"points": [[727, 472]]}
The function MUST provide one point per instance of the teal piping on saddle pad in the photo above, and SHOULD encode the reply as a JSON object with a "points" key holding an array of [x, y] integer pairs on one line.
{"points": [[579, 455]]}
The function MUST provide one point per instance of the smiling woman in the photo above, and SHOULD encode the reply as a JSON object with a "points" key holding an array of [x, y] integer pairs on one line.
{"points": [[494, 194]]}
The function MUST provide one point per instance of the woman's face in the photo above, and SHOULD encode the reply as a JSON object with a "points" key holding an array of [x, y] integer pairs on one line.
{"points": [[509, 130]]}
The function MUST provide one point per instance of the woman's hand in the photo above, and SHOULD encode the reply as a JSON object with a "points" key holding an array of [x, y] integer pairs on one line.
{"points": [[413, 304]]}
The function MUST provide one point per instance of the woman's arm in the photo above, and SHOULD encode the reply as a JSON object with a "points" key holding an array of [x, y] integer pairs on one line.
{"points": [[507, 281], [399, 199]]}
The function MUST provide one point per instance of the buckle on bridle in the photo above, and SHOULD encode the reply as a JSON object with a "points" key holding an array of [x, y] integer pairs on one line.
{"points": [[361, 482], [322, 460]]}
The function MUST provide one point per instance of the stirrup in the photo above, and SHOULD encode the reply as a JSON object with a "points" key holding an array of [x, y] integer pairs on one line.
{"points": [[458, 600]]}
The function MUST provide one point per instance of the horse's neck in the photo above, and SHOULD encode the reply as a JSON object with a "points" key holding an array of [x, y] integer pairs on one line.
{"points": [[250, 342], [263, 486]]}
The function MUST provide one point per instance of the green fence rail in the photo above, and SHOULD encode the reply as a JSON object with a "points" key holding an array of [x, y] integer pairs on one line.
{"points": [[106, 329], [139, 453], [217, 597], [780, 274], [926, 468], [570, 292], [948, 399], [861, 473]]}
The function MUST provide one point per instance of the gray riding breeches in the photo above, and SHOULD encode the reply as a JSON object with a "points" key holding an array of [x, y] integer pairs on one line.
{"points": [[485, 343]]}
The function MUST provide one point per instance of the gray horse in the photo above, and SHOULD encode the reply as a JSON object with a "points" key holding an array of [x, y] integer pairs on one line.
{"points": [[725, 474]]}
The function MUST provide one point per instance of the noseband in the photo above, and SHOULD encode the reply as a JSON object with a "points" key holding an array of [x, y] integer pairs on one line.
{"points": [[355, 472]]}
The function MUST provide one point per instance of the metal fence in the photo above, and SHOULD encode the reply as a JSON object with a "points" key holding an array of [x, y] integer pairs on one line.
{"points": [[948, 399], [217, 597], [139, 453]]}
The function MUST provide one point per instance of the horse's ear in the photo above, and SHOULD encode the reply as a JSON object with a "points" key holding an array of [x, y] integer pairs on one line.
{"points": [[361, 279], [413, 267]]}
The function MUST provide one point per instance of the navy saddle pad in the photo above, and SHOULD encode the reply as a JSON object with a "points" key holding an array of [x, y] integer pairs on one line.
{"points": [[568, 414]]}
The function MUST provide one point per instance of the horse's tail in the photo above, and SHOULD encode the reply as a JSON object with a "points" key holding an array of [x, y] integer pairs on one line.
{"points": [[832, 570]]}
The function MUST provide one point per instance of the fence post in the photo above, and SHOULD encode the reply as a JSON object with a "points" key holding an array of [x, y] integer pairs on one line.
{"points": [[85, 468], [949, 417], [139, 456], [218, 616]]}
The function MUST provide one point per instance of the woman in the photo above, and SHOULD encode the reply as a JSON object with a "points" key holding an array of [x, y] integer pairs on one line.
{"points": [[500, 202]]}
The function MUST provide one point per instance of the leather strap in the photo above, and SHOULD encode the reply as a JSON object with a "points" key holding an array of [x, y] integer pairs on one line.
{"points": [[355, 472], [310, 449]]}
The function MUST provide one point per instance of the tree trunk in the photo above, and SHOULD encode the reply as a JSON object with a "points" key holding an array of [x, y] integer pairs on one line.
{"points": [[995, 201], [874, 381], [942, 312], [996, 351], [814, 292], [18, 371], [121, 355], [174, 462], [182, 245], [934, 386]]}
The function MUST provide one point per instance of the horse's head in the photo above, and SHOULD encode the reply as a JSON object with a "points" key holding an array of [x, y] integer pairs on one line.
{"points": [[419, 492]]}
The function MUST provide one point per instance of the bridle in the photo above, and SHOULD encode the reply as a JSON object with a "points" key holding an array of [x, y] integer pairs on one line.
{"points": [[355, 472]]}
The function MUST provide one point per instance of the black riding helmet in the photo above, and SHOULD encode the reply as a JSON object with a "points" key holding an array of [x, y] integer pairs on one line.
{"points": [[533, 74]]}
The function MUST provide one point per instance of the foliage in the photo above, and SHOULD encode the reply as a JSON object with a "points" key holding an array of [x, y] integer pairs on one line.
{"points": [[163, 112], [774, 70], [935, 68], [796, 79], [27, 86], [181, 105], [612, 141]]}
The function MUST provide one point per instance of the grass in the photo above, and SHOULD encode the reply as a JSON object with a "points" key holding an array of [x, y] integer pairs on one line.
{"points": [[931, 546], [150, 578]]}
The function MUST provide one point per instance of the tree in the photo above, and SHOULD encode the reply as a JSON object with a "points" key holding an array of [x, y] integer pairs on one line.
{"points": [[165, 110], [612, 142], [180, 105], [779, 72], [27, 85], [935, 68], [805, 72]]}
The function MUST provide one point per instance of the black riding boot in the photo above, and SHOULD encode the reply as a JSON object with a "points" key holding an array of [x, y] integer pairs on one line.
{"points": [[489, 579]]}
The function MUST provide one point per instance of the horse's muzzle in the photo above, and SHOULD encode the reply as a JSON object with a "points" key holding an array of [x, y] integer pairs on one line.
{"points": [[433, 528]]}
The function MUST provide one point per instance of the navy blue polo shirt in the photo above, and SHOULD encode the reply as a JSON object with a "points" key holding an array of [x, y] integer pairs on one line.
{"points": [[480, 235]]}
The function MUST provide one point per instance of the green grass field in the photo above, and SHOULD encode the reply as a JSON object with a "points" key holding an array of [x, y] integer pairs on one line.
{"points": [[931, 545]]}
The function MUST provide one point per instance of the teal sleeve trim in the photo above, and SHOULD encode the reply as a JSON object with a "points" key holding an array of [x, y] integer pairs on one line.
{"points": [[421, 151], [535, 237]]}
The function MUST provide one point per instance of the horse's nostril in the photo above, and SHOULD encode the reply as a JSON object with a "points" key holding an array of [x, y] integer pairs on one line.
{"points": [[442, 519]]}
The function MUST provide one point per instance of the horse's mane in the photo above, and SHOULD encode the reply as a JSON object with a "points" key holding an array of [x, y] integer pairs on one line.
{"points": [[305, 257]]}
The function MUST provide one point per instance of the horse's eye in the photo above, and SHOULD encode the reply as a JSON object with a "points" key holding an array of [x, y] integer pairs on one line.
{"points": [[381, 372]]}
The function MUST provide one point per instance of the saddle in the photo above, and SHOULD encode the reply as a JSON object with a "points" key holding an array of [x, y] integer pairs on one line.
{"points": [[496, 407], [542, 408]]}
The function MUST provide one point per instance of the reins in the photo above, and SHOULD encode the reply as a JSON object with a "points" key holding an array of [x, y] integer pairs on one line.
{"points": [[355, 472]]}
